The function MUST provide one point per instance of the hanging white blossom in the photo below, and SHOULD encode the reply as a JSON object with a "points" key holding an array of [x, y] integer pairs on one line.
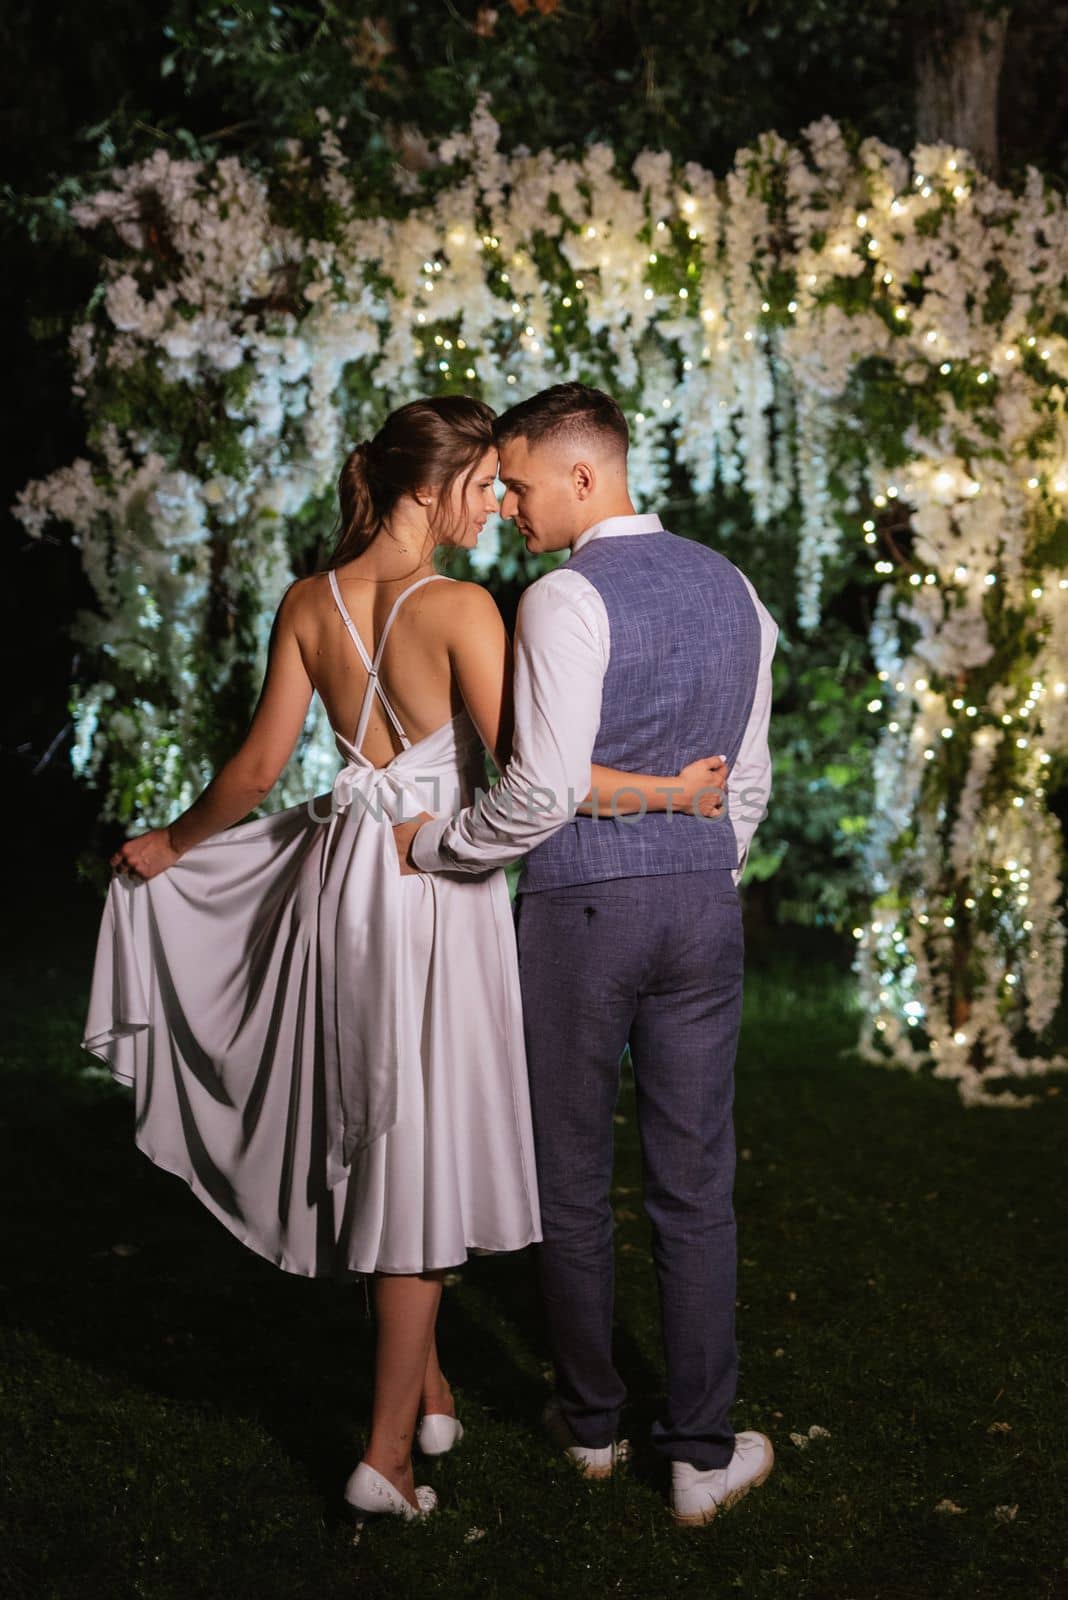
{"points": [[745, 325]]}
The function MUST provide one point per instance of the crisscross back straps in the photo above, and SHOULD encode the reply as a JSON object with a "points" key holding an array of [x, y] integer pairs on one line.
{"points": [[373, 685]]}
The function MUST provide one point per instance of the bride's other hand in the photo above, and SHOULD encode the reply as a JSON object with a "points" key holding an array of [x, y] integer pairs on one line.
{"points": [[403, 834], [704, 786], [146, 855]]}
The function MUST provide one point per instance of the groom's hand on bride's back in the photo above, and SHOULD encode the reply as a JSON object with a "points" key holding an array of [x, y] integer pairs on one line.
{"points": [[703, 786]]}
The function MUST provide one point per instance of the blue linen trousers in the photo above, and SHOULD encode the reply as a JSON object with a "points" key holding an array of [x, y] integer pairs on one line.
{"points": [[655, 962]]}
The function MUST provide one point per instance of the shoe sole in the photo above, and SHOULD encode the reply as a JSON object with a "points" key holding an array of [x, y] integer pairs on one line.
{"points": [[701, 1519]]}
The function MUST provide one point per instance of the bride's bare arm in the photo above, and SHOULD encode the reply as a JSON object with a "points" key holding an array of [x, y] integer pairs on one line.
{"points": [[252, 771], [480, 654], [698, 789]]}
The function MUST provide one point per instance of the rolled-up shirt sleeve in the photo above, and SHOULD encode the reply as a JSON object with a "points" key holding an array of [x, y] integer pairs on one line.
{"points": [[561, 654], [749, 782]]}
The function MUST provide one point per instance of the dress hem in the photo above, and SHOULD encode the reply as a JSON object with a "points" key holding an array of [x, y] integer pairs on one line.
{"points": [[339, 1273]]}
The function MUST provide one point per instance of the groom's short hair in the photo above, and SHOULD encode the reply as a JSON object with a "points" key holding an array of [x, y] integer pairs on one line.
{"points": [[567, 409]]}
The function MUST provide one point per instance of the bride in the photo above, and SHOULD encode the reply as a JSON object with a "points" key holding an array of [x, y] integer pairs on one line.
{"points": [[326, 1048]]}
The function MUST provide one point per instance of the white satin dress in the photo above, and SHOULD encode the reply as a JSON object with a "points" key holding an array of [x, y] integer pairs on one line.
{"points": [[328, 1052]]}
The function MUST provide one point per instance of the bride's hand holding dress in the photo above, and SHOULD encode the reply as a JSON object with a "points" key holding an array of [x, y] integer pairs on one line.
{"points": [[146, 854]]}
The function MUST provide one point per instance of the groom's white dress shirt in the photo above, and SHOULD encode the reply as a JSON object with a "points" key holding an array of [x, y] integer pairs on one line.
{"points": [[562, 647]]}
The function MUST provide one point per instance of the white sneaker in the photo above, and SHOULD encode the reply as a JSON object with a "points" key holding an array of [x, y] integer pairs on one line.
{"points": [[696, 1496], [592, 1463]]}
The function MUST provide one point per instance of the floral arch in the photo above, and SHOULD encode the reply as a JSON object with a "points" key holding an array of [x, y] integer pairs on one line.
{"points": [[248, 325]]}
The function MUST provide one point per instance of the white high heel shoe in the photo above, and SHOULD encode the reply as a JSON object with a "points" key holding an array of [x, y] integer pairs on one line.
{"points": [[439, 1433], [367, 1490]]}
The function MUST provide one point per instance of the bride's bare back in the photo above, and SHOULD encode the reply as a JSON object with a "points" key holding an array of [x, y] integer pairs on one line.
{"points": [[445, 650]]}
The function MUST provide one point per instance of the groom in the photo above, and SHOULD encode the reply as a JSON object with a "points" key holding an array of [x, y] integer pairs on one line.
{"points": [[644, 652]]}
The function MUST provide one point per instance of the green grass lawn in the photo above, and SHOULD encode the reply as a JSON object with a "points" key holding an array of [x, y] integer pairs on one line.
{"points": [[178, 1418]]}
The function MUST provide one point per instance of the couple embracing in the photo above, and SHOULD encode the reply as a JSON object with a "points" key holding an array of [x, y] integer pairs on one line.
{"points": [[337, 1032]]}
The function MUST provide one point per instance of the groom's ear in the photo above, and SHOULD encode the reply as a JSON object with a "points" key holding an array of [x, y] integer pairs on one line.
{"points": [[584, 479]]}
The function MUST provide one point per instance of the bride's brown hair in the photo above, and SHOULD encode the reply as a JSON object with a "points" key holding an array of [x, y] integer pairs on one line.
{"points": [[425, 444]]}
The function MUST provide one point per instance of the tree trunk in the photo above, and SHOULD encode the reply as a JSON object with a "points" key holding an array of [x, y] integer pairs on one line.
{"points": [[958, 66]]}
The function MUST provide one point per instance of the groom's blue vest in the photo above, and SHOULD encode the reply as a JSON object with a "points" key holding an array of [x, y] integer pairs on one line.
{"points": [[682, 672]]}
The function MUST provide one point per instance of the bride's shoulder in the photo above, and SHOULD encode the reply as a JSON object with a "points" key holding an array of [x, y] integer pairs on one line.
{"points": [[461, 609], [299, 593]]}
